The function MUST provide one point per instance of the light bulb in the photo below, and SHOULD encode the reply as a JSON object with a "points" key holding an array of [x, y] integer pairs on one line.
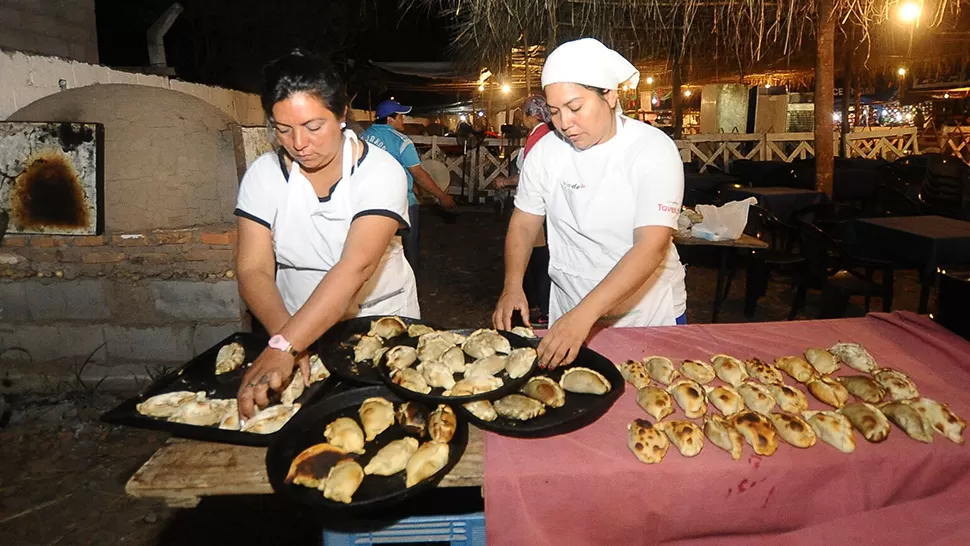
{"points": [[649, 80], [481, 87], [506, 89], [909, 12], [687, 93], [901, 71]]}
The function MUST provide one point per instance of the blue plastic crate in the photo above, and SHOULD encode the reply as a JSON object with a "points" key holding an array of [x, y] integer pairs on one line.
{"points": [[459, 530]]}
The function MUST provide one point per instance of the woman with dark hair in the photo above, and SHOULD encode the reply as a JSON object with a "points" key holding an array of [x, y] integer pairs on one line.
{"points": [[318, 224]]}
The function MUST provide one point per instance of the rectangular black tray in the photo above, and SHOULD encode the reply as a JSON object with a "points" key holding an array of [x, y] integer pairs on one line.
{"points": [[199, 375]]}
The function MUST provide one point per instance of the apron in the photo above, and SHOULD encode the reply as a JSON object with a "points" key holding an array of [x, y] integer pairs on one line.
{"points": [[308, 240], [590, 223]]}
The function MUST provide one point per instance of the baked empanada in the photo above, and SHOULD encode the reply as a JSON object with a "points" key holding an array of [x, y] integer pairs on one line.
{"points": [[392, 458], [760, 370], [474, 385], [757, 431], [483, 409], [432, 346], [724, 435], [490, 365], [398, 358], [690, 397], [789, 398], [437, 374], [797, 367], [648, 443], [655, 401], [229, 358], [485, 342], [833, 428], [864, 388], [519, 407], [344, 433], [698, 371], [165, 405], [793, 429], [855, 356], [376, 414], [828, 391], [897, 384], [202, 413], [411, 379], [318, 372], [442, 424], [904, 415], [430, 458], [294, 389], [455, 359], [687, 437], [418, 330], [312, 466], [823, 361], [660, 369], [584, 381], [868, 420], [545, 390], [729, 369], [413, 417], [387, 327], [756, 397], [941, 417], [635, 373], [523, 331], [343, 481], [367, 347], [520, 362], [725, 398], [270, 419]]}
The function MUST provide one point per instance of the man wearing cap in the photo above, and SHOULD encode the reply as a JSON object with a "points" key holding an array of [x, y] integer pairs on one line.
{"points": [[386, 134]]}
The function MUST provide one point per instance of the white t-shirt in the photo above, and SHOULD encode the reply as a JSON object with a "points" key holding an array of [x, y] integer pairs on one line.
{"points": [[377, 187], [593, 200]]}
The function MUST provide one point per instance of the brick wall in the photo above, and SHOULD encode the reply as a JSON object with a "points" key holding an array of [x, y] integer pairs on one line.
{"points": [[64, 28]]}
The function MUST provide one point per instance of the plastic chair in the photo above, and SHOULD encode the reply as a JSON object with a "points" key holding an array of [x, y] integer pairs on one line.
{"points": [[456, 530]]}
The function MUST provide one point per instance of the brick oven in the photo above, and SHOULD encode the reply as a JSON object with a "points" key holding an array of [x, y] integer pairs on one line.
{"points": [[157, 286]]}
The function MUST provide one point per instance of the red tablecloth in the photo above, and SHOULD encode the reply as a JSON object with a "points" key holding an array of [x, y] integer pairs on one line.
{"points": [[587, 488]]}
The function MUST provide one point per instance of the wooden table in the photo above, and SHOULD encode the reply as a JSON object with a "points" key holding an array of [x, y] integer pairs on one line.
{"points": [[183, 471], [725, 265]]}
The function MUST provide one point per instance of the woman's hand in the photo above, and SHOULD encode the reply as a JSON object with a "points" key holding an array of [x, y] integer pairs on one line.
{"points": [[561, 344], [269, 371], [508, 303]]}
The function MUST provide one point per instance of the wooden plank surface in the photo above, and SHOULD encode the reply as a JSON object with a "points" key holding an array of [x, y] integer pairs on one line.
{"points": [[182, 471], [746, 241]]}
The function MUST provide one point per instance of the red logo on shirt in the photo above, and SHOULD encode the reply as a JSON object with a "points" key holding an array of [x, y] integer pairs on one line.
{"points": [[666, 208]]}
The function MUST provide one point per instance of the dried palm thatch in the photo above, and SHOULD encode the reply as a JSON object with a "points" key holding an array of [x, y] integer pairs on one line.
{"points": [[729, 33]]}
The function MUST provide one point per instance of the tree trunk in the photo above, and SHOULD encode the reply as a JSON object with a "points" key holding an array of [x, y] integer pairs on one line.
{"points": [[528, 77], [824, 99], [675, 99], [847, 83]]}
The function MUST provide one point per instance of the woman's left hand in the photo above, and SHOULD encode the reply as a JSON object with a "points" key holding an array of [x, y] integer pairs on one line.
{"points": [[269, 371], [561, 344]]}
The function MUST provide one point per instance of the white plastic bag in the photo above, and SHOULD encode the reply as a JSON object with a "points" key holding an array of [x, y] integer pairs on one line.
{"points": [[724, 223]]}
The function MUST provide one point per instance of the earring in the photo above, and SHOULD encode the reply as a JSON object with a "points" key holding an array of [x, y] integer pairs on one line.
{"points": [[343, 125]]}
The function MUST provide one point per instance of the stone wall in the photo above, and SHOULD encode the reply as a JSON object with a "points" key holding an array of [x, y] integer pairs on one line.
{"points": [[64, 28], [129, 303]]}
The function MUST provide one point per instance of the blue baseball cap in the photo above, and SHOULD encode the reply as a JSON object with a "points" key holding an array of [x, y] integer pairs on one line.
{"points": [[388, 107]]}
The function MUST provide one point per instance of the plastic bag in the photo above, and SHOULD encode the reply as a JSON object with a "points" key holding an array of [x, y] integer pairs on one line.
{"points": [[724, 223]]}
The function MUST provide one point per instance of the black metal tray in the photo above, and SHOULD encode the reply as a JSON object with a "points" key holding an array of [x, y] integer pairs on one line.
{"points": [[199, 375], [580, 410], [435, 396], [336, 349], [306, 429]]}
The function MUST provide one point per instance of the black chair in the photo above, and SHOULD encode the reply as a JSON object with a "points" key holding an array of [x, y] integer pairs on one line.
{"points": [[832, 218], [890, 201], [954, 299], [830, 268], [946, 188]]}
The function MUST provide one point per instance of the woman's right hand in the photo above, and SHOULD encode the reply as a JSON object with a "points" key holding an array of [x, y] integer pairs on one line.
{"points": [[510, 301]]}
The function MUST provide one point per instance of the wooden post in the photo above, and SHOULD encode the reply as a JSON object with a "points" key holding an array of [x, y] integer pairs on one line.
{"points": [[824, 99], [528, 78], [847, 81], [675, 96]]}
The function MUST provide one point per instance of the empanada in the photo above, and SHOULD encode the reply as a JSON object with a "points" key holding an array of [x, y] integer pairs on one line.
{"points": [[432, 346], [343, 481], [202, 413], [941, 417], [523, 331], [367, 347], [489, 365], [698, 371], [729, 369], [789, 398], [757, 431], [897, 384], [828, 391], [474, 385], [437, 374], [635, 373], [660, 369], [392, 458], [756, 397], [584, 381], [312, 466], [442, 424], [519, 407], [520, 362], [648, 443], [855, 356], [833, 428], [793, 429], [823, 361], [270, 419], [762, 371], [797, 367], [655, 401], [864, 388], [229, 358], [398, 358], [430, 458], [376, 414], [690, 397], [485, 342], [904, 415], [455, 359], [294, 389], [686, 436], [483, 409], [545, 390], [418, 330], [318, 372], [167, 404], [411, 379], [724, 435], [387, 327], [345, 434], [725, 398], [868, 420], [413, 417]]}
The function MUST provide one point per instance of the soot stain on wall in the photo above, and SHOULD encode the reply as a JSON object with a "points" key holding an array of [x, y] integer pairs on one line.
{"points": [[48, 193]]}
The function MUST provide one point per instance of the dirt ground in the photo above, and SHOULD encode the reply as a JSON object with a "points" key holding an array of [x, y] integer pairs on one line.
{"points": [[62, 472]]}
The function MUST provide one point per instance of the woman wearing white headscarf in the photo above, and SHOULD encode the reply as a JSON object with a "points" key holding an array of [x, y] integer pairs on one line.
{"points": [[610, 189]]}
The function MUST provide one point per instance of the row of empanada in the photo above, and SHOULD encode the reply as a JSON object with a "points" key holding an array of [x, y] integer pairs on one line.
{"points": [[539, 393]]}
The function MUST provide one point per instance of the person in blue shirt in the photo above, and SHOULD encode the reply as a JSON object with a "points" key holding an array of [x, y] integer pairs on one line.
{"points": [[386, 133]]}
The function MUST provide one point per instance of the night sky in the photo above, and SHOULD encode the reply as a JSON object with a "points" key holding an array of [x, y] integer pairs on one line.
{"points": [[226, 42]]}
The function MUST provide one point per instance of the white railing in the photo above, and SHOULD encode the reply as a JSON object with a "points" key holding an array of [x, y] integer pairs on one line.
{"points": [[472, 170], [955, 141]]}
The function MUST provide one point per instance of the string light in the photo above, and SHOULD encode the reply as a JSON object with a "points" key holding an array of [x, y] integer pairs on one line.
{"points": [[506, 89], [649, 80], [901, 71], [909, 12], [481, 87], [687, 93]]}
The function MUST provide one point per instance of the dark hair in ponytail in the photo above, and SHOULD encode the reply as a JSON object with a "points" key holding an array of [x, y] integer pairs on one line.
{"points": [[303, 72]]}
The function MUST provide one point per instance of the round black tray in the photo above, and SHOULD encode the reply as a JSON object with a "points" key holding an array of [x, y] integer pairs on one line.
{"points": [[306, 429], [336, 349], [435, 396], [579, 410]]}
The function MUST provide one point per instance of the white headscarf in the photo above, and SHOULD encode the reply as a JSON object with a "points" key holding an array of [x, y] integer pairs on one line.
{"points": [[588, 62]]}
